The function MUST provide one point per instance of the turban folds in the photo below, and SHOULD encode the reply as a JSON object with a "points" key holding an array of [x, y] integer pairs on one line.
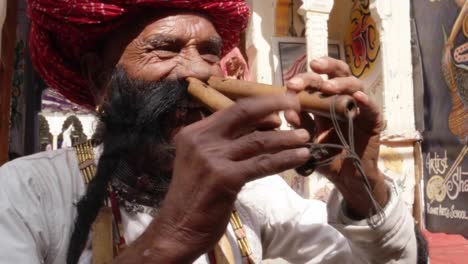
{"points": [[63, 31]]}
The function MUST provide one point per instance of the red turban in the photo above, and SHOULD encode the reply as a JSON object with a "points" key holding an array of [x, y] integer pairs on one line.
{"points": [[62, 31]]}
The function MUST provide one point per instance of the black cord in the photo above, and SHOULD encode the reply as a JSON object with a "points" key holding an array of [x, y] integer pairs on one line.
{"points": [[319, 154]]}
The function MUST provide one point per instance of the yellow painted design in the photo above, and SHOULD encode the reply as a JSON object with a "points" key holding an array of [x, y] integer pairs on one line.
{"points": [[362, 40]]}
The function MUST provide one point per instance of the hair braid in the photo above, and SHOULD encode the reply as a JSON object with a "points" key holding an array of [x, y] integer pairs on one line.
{"points": [[88, 207]]}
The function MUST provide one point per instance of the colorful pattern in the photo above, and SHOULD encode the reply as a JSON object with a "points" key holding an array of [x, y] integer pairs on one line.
{"points": [[362, 41], [86, 162], [63, 31]]}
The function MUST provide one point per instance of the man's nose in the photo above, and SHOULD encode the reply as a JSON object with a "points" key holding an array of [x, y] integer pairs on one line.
{"points": [[192, 64]]}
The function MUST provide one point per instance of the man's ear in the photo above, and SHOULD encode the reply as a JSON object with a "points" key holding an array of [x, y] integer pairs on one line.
{"points": [[92, 68]]}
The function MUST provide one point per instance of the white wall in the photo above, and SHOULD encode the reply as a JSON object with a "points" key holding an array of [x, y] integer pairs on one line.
{"points": [[395, 36], [258, 40]]}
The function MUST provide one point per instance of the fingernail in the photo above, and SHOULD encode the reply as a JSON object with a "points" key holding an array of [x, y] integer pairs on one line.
{"points": [[303, 153], [364, 98], [302, 134], [296, 82], [318, 62]]}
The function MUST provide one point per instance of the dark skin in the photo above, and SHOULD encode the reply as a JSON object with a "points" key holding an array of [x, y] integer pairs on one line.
{"points": [[217, 155]]}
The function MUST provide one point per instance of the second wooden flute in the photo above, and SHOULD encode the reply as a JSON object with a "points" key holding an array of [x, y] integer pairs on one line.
{"points": [[216, 95]]}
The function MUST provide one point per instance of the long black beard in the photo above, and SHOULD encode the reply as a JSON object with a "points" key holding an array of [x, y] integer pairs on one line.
{"points": [[136, 118]]}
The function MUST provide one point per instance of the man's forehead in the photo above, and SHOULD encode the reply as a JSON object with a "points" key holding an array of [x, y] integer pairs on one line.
{"points": [[176, 23], [158, 25]]}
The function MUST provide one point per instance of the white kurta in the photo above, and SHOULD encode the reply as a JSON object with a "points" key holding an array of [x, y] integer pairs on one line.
{"points": [[37, 212]]}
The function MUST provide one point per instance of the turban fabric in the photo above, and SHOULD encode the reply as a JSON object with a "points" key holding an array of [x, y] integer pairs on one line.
{"points": [[63, 31]]}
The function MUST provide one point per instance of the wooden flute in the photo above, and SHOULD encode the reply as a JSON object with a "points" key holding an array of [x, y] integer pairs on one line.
{"points": [[218, 93]]}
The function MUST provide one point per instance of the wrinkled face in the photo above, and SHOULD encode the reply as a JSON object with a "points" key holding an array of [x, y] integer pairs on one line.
{"points": [[173, 46], [144, 66]]}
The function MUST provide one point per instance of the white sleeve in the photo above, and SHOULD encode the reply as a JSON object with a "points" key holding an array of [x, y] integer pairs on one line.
{"points": [[23, 236], [37, 196], [394, 241], [292, 228], [299, 231]]}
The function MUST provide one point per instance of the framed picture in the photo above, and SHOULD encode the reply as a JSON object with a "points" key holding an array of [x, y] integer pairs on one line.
{"points": [[290, 56]]}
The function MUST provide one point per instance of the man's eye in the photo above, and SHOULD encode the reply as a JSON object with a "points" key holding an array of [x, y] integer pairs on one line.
{"points": [[169, 48], [165, 54], [164, 51], [211, 58]]}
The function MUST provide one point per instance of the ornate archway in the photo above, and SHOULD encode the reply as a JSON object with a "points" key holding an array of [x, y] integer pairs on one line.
{"points": [[76, 134]]}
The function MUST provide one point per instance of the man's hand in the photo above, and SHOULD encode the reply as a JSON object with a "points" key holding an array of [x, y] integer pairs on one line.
{"points": [[367, 128], [215, 157]]}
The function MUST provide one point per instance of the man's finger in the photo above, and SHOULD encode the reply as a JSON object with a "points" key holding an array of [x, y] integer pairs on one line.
{"points": [[270, 164], [369, 117], [330, 66], [292, 118], [305, 80], [261, 142], [342, 85]]}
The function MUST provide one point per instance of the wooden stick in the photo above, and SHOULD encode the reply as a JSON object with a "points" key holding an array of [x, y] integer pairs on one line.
{"points": [[208, 96], [315, 102]]}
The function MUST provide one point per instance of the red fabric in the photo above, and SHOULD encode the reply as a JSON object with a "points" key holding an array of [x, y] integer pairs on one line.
{"points": [[62, 31], [447, 249]]}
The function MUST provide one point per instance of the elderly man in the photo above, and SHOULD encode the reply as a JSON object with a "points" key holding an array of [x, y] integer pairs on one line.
{"points": [[181, 185]]}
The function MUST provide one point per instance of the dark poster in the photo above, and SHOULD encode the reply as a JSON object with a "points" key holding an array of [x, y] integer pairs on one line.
{"points": [[442, 28]]}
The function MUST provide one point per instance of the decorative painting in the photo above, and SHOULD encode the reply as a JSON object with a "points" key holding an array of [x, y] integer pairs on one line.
{"points": [[442, 34], [362, 40]]}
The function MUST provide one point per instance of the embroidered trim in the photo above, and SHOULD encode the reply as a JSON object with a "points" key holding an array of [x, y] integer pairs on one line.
{"points": [[242, 242], [86, 162]]}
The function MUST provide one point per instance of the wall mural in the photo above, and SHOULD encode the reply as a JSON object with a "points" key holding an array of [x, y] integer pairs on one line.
{"points": [[362, 40], [455, 71], [442, 28]]}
